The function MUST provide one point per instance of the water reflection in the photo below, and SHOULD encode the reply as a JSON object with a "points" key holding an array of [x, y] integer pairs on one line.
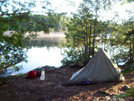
{"points": [[46, 42], [47, 51], [43, 51]]}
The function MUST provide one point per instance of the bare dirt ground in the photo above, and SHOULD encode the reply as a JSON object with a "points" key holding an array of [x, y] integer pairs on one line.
{"points": [[51, 89]]}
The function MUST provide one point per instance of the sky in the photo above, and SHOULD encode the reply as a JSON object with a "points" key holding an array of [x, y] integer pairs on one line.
{"points": [[61, 6], [122, 10], [65, 6]]}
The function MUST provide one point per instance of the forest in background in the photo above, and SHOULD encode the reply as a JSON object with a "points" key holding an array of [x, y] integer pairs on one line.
{"points": [[40, 22], [86, 31], [58, 26]]}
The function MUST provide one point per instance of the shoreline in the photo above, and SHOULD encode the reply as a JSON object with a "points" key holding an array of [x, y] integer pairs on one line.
{"points": [[20, 89], [42, 34]]}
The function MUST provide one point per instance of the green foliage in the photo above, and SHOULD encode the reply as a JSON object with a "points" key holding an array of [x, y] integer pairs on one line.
{"points": [[129, 68], [127, 1], [51, 22], [11, 54], [82, 29], [122, 95], [119, 54], [60, 25], [19, 74], [42, 22], [121, 40], [74, 57], [18, 20], [11, 45], [129, 92]]}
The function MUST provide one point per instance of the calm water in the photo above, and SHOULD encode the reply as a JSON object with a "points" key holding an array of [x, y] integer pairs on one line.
{"points": [[44, 51]]}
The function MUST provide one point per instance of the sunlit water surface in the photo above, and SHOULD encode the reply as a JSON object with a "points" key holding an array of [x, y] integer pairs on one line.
{"points": [[47, 51], [38, 57]]}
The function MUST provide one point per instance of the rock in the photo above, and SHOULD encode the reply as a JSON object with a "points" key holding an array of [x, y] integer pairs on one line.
{"points": [[115, 98], [38, 71], [108, 98], [47, 68], [124, 88]]}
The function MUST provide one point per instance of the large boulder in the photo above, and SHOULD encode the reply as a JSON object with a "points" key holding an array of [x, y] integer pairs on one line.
{"points": [[47, 69]]}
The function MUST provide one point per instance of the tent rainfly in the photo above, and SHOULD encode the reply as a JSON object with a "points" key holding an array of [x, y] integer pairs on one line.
{"points": [[99, 69]]}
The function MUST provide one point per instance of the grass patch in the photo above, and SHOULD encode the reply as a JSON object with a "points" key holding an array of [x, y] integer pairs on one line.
{"points": [[19, 74]]}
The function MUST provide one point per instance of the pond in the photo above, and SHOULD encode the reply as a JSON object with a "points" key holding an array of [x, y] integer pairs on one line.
{"points": [[44, 50]]}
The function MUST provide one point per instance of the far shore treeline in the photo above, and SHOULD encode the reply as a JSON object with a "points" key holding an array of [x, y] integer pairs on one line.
{"points": [[40, 22]]}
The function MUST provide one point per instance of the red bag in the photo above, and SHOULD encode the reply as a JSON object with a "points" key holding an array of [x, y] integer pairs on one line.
{"points": [[31, 74]]}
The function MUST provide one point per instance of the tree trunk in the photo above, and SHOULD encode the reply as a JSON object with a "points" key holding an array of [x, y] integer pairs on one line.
{"points": [[94, 39], [130, 51], [105, 39], [94, 34], [90, 38], [86, 52]]}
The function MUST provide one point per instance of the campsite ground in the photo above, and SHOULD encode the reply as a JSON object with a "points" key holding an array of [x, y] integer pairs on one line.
{"points": [[51, 89]]}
